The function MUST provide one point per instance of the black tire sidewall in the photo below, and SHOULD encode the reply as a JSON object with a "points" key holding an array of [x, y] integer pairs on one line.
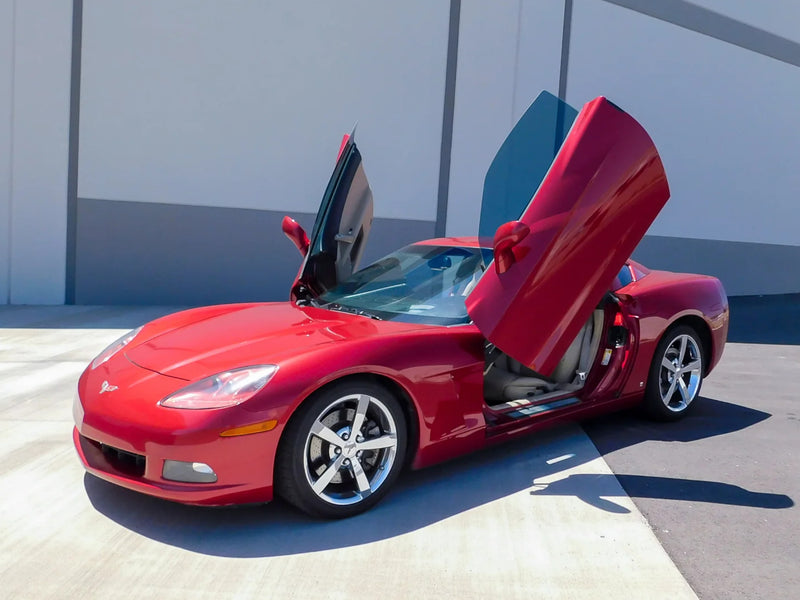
{"points": [[652, 403], [291, 482]]}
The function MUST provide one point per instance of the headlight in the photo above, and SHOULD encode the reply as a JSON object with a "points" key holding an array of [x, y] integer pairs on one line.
{"points": [[223, 389], [115, 347]]}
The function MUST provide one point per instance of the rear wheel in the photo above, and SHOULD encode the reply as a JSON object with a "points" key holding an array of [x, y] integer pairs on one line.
{"points": [[342, 451], [676, 374]]}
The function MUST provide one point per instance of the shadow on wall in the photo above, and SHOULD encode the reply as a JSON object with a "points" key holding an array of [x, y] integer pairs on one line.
{"points": [[773, 319], [432, 495]]}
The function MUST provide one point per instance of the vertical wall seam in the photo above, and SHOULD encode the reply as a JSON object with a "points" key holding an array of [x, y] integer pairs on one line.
{"points": [[447, 118], [72, 157], [565, 36], [10, 245], [516, 68]]}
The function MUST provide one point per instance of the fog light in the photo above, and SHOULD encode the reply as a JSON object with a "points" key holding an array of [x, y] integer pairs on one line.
{"points": [[190, 472]]}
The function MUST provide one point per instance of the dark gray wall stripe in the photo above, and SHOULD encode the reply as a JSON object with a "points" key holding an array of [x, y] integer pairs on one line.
{"points": [[718, 26], [141, 253], [745, 268], [138, 253], [72, 161], [447, 117], [565, 36]]}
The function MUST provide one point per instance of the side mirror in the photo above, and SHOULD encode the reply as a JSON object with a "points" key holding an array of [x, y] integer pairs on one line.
{"points": [[508, 235], [296, 234]]}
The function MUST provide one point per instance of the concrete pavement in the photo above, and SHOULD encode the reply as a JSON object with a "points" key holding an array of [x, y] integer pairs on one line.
{"points": [[512, 522]]}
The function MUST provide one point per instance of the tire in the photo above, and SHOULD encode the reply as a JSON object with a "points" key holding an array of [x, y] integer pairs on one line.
{"points": [[326, 472], [676, 374]]}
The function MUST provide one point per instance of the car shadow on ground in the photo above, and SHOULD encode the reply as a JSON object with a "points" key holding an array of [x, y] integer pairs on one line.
{"points": [[708, 418], [666, 488], [418, 499], [425, 497]]}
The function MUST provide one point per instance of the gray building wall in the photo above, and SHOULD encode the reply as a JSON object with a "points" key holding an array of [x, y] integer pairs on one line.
{"points": [[149, 149], [35, 44], [202, 124], [714, 82]]}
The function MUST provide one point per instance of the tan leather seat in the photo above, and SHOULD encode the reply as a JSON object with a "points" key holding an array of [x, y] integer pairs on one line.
{"points": [[569, 365], [508, 379]]}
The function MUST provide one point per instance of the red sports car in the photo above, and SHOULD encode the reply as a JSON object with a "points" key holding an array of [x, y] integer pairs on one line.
{"points": [[439, 349]]}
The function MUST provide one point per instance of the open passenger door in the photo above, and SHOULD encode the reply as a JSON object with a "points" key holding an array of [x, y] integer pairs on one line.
{"points": [[603, 190], [341, 227]]}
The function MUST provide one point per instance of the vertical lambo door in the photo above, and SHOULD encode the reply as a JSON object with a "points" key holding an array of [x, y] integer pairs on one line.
{"points": [[341, 227], [553, 266]]}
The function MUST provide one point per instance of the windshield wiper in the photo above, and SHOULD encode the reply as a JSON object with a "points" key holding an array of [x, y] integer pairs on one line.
{"points": [[305, 297], [364, 313], [353, 311]]}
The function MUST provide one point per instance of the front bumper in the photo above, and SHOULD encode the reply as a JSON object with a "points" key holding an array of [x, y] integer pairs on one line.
{"points": [[143, 473], [125, 437]]}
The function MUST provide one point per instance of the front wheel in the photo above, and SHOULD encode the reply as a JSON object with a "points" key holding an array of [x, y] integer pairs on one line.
{"points": [[342, 451], [676, 374]]}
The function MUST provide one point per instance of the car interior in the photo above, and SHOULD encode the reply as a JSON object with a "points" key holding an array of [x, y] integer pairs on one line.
{"points": [[507, 381]]}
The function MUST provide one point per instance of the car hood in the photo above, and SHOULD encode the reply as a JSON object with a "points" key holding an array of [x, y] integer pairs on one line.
{"points": [[195, 344]]}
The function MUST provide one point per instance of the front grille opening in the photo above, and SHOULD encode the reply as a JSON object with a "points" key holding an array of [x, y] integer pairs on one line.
{"points": [[125, 462]]}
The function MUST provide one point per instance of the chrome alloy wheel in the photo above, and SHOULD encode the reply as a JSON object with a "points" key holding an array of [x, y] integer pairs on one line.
{"points": [[350, 449], [681, 373]]}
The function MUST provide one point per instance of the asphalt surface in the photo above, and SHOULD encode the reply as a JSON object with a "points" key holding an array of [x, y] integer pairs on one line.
{"points": [[720, 488], [509, 523]]}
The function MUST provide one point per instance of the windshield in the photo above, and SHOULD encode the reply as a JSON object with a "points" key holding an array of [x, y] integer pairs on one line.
{"points": [[417, 284]]}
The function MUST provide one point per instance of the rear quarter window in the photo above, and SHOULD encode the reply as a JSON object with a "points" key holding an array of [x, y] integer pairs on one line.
{"points": [[623, 278]]}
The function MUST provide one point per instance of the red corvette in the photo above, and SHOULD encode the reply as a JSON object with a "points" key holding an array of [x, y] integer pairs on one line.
{"points": [[436, 350]]}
